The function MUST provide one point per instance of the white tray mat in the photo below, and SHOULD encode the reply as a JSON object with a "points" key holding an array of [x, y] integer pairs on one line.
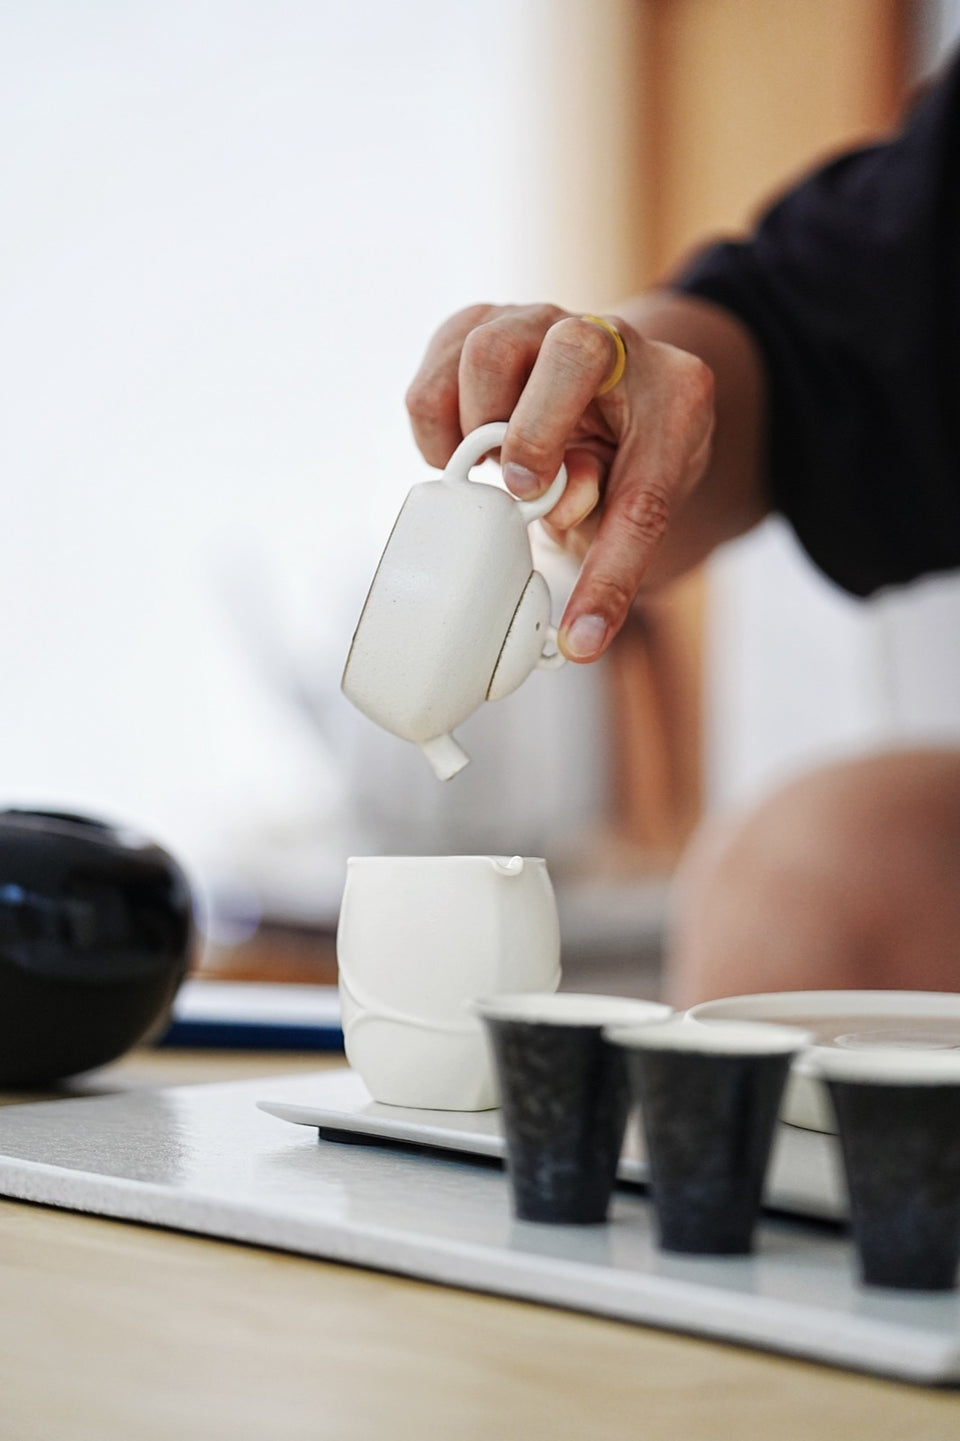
{"points": [[205, 1159]]}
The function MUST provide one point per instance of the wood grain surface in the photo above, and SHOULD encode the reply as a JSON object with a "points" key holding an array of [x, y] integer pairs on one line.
{"points": [[114, 1332]]}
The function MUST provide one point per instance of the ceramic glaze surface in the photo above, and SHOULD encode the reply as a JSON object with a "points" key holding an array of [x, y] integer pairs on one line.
{"points": [[95, 937], [564, 1106], [901, 1154], [708, 1120], [419, 939], [564, 1098], [456, 614]]}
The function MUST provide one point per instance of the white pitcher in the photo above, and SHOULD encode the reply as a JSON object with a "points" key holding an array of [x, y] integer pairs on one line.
{"points": [[419, 939]]}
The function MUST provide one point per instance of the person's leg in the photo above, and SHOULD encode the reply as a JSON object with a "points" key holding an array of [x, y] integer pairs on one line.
{"points": [[846, 878]]}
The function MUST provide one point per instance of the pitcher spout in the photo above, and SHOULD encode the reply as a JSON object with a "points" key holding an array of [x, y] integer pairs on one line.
{"points": [[508, 865]]}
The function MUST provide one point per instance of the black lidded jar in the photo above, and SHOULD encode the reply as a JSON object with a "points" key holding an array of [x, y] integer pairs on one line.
{"points": [[96, 935]]}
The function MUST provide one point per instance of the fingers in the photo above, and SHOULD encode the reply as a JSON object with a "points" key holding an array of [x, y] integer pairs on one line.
{"points": [[433, 399], [663, 453], [634, 522], [535, 366], [632, 455], [496, 361], [474, 371], [585, 472], [573, 359]]}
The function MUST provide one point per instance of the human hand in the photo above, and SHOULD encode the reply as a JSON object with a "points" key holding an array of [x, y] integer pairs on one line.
{"points": [[632, 455]]}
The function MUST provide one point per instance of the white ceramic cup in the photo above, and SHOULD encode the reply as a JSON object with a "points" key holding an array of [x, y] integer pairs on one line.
{"points": [[419, 939]]}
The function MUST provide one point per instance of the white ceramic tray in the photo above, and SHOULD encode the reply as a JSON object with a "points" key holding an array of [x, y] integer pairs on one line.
{"points": [[805, 1176], [206, 1160]]}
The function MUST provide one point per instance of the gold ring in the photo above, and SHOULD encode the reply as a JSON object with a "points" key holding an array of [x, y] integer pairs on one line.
{"points": [[620, 361]]}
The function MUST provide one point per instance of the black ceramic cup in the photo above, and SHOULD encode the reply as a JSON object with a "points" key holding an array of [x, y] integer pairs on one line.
{"points": [[709, 1095], [564, 1096], [898, 1118], [96, 933]]}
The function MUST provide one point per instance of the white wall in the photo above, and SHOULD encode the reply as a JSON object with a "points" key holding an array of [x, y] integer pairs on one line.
{"points": [[793, 668], [228, 231]]}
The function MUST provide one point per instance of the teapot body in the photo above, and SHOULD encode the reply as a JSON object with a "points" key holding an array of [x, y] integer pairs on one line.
{"points": [[425, 649], [451, 599]]}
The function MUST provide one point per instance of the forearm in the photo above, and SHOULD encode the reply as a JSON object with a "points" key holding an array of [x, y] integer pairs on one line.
{"points": [[732, 495]]}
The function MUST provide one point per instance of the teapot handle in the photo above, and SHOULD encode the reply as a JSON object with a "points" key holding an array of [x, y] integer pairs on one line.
{"points": [[490, 437]]}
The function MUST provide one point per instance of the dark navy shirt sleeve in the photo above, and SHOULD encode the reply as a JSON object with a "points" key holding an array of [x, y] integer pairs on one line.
{"points": [[851, 286]]}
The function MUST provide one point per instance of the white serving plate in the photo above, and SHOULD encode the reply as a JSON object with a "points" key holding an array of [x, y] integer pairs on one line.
{"points": [[899, 1017]]}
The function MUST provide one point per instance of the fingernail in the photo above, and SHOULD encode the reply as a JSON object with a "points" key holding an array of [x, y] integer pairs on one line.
{"points": [[521, 481], [585, 636]]}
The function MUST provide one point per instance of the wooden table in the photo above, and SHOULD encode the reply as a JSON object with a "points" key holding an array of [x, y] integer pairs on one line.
{"points": [[115, 1332]]}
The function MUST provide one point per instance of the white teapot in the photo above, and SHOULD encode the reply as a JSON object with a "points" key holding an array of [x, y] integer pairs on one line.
{"points": [[456, 613]]}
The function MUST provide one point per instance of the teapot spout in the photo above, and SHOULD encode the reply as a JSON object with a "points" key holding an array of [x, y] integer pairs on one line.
{"points": [[445, 755]]}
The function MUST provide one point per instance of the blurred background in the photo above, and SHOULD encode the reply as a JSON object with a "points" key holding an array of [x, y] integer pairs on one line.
{"points": [[229, 231]]}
